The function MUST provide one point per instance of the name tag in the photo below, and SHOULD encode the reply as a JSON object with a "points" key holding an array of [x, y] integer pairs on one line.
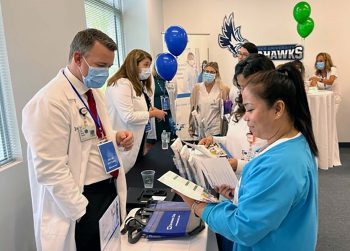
{"points": [[148, 127], [108, 156], [87, 133], [165, 103]]}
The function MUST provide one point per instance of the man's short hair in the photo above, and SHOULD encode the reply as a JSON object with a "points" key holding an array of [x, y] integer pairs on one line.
{"points": [[84, 40], [250, 47]]}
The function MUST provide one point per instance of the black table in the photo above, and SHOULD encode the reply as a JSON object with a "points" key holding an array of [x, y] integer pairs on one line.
{"points": [[156, 159]]}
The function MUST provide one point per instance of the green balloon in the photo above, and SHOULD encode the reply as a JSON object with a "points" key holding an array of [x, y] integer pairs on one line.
{"points": [[301, 12], [304, 29]]}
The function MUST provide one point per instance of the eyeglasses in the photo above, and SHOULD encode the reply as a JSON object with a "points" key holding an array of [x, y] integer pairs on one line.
{"points": [[243, 54], [212, 72]]}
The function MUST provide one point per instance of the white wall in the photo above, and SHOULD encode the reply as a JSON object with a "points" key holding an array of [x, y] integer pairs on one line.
{"points": [[271, 22], [143, 24], [156, 27], [135, 25], [38, 34]]}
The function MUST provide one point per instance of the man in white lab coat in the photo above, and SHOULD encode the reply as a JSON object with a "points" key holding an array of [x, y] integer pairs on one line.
{"points": [[63, 127]]}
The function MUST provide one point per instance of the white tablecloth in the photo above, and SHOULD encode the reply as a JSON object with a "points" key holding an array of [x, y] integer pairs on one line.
{"points": [[322, 108], [205, 240]]}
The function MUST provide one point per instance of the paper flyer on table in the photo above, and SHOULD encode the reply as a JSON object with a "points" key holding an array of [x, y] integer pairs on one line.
{"points": [[109, 227], [186, 187]]}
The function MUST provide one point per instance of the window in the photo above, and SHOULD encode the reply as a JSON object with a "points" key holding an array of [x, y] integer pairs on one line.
{"points": [[106, 15], [10, 150]]}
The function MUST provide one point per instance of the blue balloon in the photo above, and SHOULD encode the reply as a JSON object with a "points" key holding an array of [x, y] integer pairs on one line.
{"points": [[176, 40], [166, 66]]}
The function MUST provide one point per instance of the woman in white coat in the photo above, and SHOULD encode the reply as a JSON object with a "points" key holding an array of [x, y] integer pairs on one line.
{"points": [[129, 104]]}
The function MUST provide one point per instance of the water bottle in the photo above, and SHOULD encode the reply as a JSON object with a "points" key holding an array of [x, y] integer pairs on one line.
{"points": [[165, 141]]}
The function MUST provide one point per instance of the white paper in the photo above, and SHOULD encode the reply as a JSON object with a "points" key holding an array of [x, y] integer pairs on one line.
{"points": [[109, 226], [186, 187], [202, 149], [218, 172]]}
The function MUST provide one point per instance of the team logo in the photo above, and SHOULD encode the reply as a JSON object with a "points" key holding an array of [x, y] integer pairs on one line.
{"points": [[231, 37]]}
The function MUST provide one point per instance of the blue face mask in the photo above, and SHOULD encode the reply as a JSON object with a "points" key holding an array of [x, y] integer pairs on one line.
{"points": [[96, 76], [320, 65], [208, 77]]}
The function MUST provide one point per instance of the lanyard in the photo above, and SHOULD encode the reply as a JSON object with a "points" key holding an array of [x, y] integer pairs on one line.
{"points": [[98, 121], [160, 87]]}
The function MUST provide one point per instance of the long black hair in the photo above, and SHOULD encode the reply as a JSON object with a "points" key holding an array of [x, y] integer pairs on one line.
{"points": [[252, 64], [286, 84]]}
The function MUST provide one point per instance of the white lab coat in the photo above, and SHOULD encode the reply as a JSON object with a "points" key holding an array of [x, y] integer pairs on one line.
{"points": [[127, 112], [57, 161]]}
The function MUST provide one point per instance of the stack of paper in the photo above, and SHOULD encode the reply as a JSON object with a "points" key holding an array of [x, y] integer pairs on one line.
{"points": [[218, 171]]}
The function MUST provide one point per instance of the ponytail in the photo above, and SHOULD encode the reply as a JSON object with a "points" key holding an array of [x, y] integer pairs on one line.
{"points": [[286, 84]]}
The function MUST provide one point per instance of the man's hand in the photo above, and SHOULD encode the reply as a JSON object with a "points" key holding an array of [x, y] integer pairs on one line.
{"points": [[125, 139]]}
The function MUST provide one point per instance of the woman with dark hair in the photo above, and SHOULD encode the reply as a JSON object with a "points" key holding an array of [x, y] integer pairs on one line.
{"points": [[278, 188], [246, 49], [238, 141]]}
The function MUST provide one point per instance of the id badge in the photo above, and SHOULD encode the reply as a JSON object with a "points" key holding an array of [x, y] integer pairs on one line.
{"points": [[87, 133], [108, 156], [165, 102], [148, 127]]}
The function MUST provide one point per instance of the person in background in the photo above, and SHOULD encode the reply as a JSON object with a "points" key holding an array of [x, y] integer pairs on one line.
{"points": [[243, 52], [278, 192], [206, 101], [162, 102], [238, 141], [190, 73], [200, 77], [246, 49], [326, 75], [300, 66], [128, 101], [69, 185]]}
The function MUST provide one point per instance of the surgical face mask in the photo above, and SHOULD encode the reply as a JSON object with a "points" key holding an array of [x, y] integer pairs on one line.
{"points": [[96, 76], [320, 65], [208, 77], [145, 73]]}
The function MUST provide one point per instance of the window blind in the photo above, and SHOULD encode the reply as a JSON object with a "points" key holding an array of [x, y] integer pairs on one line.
{"points": [[106, 15], [10, 149]]}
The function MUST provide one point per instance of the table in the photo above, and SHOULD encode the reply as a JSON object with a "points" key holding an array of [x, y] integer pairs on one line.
{"points": [[323, 114], [156, 159], [161, 161]]}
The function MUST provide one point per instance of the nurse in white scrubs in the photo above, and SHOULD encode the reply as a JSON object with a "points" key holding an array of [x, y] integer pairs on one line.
{"points": [[206, 100]]}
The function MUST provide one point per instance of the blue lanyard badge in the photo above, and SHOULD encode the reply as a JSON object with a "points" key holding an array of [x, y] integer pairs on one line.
{"points": [[165, 102], [109, 156], [148, 127]]}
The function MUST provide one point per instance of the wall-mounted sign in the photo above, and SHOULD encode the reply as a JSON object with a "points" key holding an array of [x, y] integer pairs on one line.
{"points": [[231, 37], [282, 52]]}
